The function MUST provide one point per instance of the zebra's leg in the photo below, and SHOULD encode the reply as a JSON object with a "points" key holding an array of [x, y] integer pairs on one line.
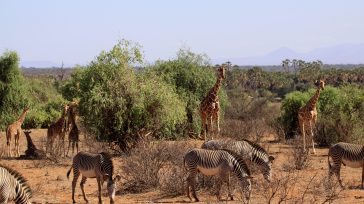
{"points": [[83, 181], [230, 195], [76, 174], [191, 182], [99, 180], [336, 170]]}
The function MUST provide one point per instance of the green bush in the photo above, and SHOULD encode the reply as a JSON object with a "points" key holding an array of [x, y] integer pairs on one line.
{"points": [[44, 101], [117, 105], [340, 114], [192, 78], [12, 99]]}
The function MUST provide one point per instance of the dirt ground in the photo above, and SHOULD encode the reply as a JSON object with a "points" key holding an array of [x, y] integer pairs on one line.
{"points": [[50, 184]]}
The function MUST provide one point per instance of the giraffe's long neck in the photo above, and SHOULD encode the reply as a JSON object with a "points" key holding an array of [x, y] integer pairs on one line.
{"points": [[217, 85], [21, 118], [313, 101]]}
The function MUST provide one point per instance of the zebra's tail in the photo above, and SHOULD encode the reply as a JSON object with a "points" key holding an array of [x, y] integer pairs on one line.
{"points": [[68, 172], [328, 160]]}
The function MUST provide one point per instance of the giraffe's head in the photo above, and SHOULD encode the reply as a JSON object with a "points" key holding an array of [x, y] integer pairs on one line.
{"points": [[321, 84], [221, 72], [65, 109]]}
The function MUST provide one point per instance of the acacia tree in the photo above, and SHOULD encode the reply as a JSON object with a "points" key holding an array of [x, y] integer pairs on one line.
{"points": [[12, 99]]}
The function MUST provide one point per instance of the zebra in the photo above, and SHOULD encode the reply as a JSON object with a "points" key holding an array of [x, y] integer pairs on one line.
{"points": [[13, 186], [216, 162], [348, 154], [250, 151], [99, 166]]}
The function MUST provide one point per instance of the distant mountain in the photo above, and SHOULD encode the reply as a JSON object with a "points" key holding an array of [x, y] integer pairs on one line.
{"points": [[340, 54], [42, 64]]}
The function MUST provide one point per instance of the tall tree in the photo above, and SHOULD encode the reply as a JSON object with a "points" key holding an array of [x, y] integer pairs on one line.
{"points": [[12, 99]]}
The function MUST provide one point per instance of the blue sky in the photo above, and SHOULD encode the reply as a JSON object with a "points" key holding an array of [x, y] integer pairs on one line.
{"points": [[75, 31]]}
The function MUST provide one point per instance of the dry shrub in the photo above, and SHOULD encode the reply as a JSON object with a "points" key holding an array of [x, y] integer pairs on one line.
{"points": [[292, 187], [155, 164], [90, 144], [249, 118], [298, 157]]}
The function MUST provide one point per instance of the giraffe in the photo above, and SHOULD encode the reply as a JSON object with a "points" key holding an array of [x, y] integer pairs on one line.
{"points": [[307, 115], [59, 128], [73, 136], [210, 106], [14, 130]]}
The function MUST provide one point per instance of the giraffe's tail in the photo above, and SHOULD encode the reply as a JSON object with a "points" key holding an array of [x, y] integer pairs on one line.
{"points": [[69, 171]]}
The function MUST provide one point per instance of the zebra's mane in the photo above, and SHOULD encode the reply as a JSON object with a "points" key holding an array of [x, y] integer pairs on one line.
{"points": [[256, 146], [108, 159], [240, 160], [20, 178]]}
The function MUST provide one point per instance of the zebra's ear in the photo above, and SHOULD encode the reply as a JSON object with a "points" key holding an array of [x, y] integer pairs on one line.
{"points": [[271, 158], [117, 178]]}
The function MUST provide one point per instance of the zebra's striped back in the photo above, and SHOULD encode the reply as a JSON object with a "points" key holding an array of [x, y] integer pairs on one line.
{"points": [[100, 163], [347, 153], [217, 162], [13, 186], [210, 159], [248, 150]]}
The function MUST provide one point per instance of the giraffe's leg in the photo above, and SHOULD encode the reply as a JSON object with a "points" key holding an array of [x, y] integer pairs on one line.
{"points": [[210, 127], [17, 143], [69, 144], [203, 125], [217, 119], [362, 177], [8, 148], [312, 138], [302, 130]]}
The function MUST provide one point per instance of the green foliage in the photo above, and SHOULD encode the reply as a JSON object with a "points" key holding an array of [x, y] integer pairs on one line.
{"points": [[340, 114], [44, 100], [12, 100], [192, 78], [116, 105]]}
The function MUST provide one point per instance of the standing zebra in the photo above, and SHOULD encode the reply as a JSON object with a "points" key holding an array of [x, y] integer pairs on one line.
{"points": [[216, 162], [351, 155], [248, 150], [99, 166], [13, 186]]}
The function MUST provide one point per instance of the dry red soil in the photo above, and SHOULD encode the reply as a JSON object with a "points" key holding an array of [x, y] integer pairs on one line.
{"points": [[50, 184]]}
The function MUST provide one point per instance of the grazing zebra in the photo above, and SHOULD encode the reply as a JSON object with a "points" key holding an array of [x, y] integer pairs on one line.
{"points": [[216, 162], [13, 186], [249, 151], [99, 166], [351, 155]]}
